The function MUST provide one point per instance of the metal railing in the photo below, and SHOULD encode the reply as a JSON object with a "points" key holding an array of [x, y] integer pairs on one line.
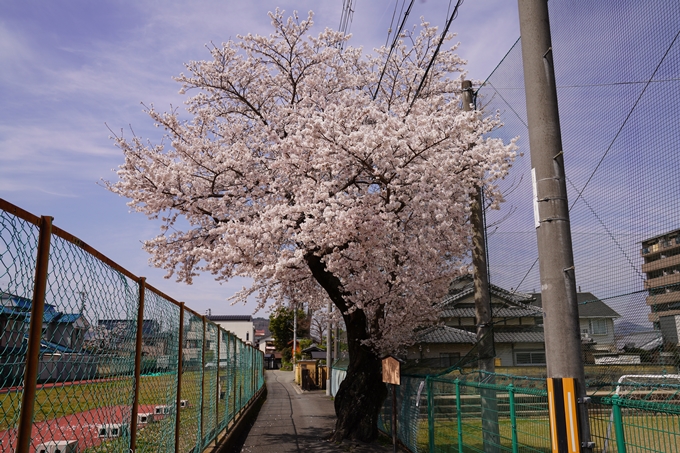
{"points": [[94, 359], [444, 414]]}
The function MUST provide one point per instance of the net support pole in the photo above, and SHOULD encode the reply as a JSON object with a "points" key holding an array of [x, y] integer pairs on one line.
{"points": [[178, 396], [138, 365], [34, 337], [483, 315], [551, 208]]}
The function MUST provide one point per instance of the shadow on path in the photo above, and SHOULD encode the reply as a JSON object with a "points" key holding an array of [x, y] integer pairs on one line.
{"points": [[291, 420]]}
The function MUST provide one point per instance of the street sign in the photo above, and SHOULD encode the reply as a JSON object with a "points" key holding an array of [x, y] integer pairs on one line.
{"points": [[391, 370]]}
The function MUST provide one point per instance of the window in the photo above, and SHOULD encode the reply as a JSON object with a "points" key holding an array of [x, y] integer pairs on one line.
{"points": [[530, 358], [598, 326], [247, 336], [448, 359]]}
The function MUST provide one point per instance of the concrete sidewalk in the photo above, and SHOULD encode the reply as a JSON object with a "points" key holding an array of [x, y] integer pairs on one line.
{"points": [[292, 420]]}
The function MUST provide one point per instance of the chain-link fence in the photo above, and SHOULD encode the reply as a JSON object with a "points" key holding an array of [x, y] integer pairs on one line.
{"points": [[94, 359], [476, 411]]}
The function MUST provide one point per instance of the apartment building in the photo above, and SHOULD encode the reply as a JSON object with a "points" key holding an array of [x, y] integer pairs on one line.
{"points": [[661, 266]]}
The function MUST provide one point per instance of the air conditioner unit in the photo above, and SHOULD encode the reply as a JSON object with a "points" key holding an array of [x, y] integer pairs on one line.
{"points": [[161, 410], [144, 418], [58, 446], [110, 430], [183, 403]]}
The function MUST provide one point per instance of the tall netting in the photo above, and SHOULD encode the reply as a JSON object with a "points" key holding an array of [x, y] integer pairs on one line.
{"points": [[18, 248], [617, 67], [158, 381], [91, 396], [618, 102]]}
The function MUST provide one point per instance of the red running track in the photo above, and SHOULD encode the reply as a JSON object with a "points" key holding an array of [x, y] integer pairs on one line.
{"points": [[81, 427]]}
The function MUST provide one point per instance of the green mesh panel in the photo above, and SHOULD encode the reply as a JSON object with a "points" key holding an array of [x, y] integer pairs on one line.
{"points": [[210, 385], [158, 382], [192, 380], [18, 248], [86, 366]]}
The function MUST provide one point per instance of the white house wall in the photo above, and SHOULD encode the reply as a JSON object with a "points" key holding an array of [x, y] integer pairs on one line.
{"points": [[245, 330], [603, 342]]}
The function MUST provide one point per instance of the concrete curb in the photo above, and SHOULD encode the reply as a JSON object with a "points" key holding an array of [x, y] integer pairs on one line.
{"points": [[237, 433]]}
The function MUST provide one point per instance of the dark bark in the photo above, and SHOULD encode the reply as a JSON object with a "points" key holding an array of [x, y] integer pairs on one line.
{"points": [[362, 392]]}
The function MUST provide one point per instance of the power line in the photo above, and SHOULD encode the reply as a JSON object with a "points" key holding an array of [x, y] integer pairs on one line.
{"points": [[394, 43], [346, 19], [436, 52], [394, 13]]}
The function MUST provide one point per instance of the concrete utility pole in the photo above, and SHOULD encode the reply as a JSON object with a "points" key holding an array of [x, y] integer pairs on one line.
{"points": [[483, 315], [551, 209]]}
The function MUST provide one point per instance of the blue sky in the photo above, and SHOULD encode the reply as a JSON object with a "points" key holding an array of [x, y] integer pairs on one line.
{"points": [[69, 68]]}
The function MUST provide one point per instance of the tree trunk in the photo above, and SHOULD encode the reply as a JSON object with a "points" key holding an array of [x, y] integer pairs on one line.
{"points": [[362, 392]]}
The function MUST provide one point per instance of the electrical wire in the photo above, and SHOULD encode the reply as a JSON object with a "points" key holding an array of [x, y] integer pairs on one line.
{"points": [[436, 52], [394, 43]]}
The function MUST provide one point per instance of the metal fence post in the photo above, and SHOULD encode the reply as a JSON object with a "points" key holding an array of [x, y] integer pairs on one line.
{"points": [[201, 431], [430, 413], [513, 417], [618, 425], [217, 386], [138, 365], [34, 336], [180, 341], [227, 394], [234, 375], [459, 417]]}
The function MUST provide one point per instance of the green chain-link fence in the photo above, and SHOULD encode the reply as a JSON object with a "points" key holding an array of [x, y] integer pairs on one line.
{"points": [[638, 413], [115, 364]]}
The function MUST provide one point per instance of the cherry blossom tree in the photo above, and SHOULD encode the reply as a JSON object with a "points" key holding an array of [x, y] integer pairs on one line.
{"points": [[321, 172]]}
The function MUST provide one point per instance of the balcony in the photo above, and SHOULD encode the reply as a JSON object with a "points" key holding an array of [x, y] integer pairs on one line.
{"points": [[654, 317], [663, 298], [663, 245], [661, 264], [664, 280]]}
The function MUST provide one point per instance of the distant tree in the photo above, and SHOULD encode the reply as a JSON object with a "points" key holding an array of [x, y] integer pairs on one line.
{"points": [[281, 326], [321, 173]]}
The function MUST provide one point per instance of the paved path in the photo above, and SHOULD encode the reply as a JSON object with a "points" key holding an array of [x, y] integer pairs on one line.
{"points": [[295, 421]]}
